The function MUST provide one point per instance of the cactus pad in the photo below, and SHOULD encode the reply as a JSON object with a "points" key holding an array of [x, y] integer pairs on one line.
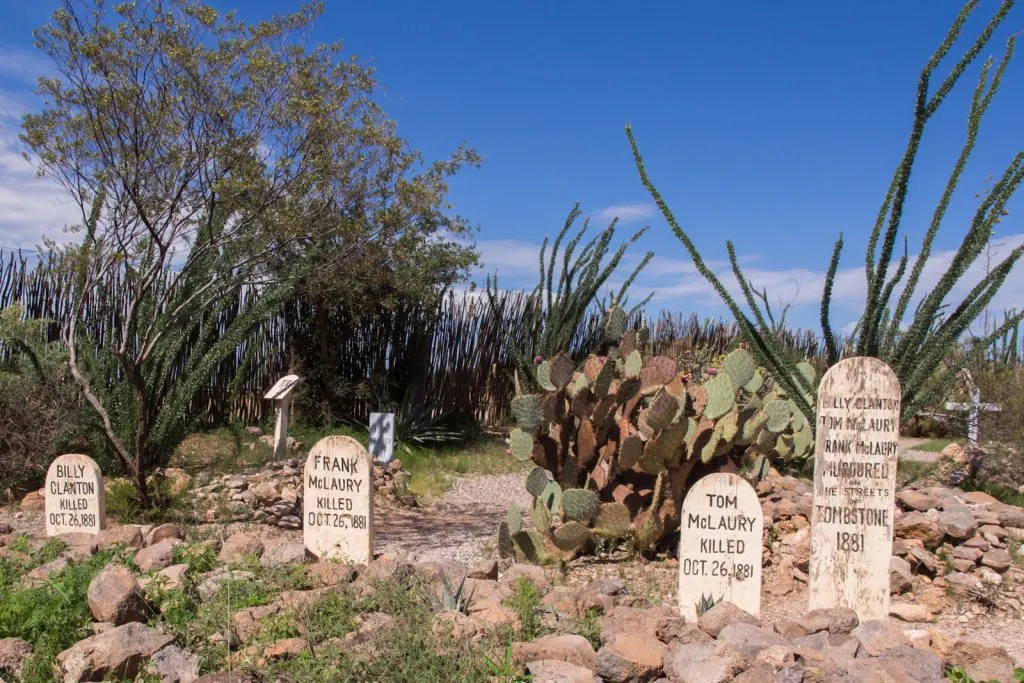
{"points": [[658, 371], [802, 442], [572, 536], [580, 504], [778, 415], [615, 323], [561, 371], [505, 547], [527, 411], [531, 545], [721, 396], [521, 444], [570, 474], [536, 481], [630, 451], [540, 515], [662, 411], [628, 343], [627, 389], [698, 398], [612, 521], [603, 381], [551, 496], [544, 376], [586, 444], [740, 367], [634, 364], [514, 519], [652, 461], [752, 421], [729, 425], [755, 383]]}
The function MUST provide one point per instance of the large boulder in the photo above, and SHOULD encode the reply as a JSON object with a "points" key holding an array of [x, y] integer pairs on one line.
{"points": [[157, 556], [120, 652], [957, 522], [566, 648], [13, 652], [723, 614], [115, 596], [702, 663]]}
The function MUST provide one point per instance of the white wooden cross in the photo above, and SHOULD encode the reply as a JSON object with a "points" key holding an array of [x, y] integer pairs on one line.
{"points": [[973, 409], [281, 394]]}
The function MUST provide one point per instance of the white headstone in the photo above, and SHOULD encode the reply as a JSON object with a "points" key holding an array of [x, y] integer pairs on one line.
{"points": [[855, 460], [281, 395], [337, 503], [720, 545], [74, 496], [973, 409], [382, 436]]}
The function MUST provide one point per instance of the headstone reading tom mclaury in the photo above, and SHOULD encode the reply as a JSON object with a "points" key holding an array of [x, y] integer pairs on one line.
{"points": [[337, 504], [854, 485], [720, 546], [74, 496]]}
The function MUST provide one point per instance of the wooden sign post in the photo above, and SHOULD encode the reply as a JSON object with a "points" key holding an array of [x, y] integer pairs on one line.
{"points": [[855, 459], [720, 546], [382, 436], [280, 394]]}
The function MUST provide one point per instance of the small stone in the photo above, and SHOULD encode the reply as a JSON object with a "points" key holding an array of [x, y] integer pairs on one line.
{"points": [[911, 612], [703, 663], [286, 647], [835, 620], [157, 556], [119, 652], [555, 671], [721, 615], [918, 525], [877, 636], [283, 553], [997, 559], [290, 522], [979, 543], [782, 582], [13, 651], [919, 638], [485, 569], [993, 530], [750, 639], [915, 500], [566, 648], [115, 596], [163, 532], [957, 522], [959, 581], [967, 553], [129, 536], [238, 546], [629, 658], [901, 578], [174, 665]]}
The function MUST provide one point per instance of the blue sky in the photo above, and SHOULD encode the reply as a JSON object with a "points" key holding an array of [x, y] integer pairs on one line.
{"points": [[776, 125]]}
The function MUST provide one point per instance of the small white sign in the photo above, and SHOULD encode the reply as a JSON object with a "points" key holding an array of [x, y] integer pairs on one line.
{"points": [[382, 436], [283, 387]]}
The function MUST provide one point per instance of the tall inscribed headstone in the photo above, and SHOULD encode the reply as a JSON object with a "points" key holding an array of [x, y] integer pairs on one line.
{"points": [[720, 545], [855, 461], [74, 496], [337, 503]]}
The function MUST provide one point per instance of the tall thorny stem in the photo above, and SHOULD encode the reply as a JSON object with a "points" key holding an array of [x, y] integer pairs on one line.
{"points": [[916, 351]]}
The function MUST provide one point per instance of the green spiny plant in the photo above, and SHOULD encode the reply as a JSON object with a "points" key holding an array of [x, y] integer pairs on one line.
{"points": [[706, 603], [616, 439], [914, 350]]}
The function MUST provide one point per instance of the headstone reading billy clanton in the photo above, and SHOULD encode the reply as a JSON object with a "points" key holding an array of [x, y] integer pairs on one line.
{"points": [[74, 496], [337, 504], [720, 545], [854, 485]]}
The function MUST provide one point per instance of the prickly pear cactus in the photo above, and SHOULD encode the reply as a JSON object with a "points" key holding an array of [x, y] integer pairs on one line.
{"points": [[617, 438]]}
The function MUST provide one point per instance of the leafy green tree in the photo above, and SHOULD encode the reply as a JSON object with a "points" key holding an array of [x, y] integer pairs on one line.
{"points": [[916, 349], [209, 158]]}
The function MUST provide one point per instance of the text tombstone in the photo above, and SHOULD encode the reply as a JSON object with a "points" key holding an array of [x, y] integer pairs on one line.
{"points": [[74, 498], [720, 546], [337, 505], [855, 460]]}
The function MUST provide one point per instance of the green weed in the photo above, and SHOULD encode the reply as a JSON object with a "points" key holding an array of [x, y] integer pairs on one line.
{"points": [[525, 602]]}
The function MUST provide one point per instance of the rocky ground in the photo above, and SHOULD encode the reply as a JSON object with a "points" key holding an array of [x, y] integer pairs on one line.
{"points": [[956, 578]]}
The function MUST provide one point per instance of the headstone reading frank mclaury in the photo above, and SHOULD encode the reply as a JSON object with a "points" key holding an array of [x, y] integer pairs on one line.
{"points": [[74, 496], [337, 504], [720, 545], [854, 485]]}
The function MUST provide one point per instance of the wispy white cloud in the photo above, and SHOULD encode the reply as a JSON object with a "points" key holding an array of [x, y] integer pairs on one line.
{"points": [[24, 65], [626, 213]]}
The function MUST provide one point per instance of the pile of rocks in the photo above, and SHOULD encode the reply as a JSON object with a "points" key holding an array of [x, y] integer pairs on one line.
{"points": [[632, 641], [968, 542], [273, 494]]}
